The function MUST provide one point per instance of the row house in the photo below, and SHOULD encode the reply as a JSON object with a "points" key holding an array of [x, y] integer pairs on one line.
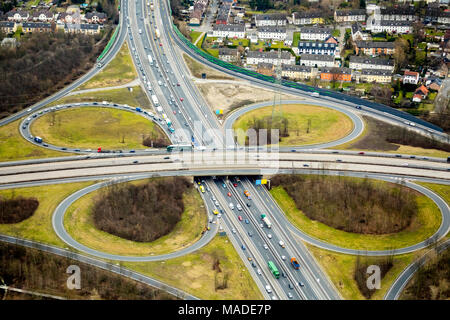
{"points": [[316, 47], [390, 26], [315, 33], [336, 74], [375, 75], [95, 17], [255, 57], [358, 34], [276, 19], [43, 16], [357, 15], [296, 72], [311, 17], [229, 55], [69, 18], [359, 63], [267, 69], [404, 13], [230, 31], [84, 28], [375, 47], [436, 15], [272, 33], [36, 27], [18, 16], [411, 77], [8, 26], [317, 60]]}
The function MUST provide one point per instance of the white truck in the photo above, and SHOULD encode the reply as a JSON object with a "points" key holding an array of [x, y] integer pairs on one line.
{"points": [[266, 221], [159, 109], [150, 59], [155, 100], [157, 34]]}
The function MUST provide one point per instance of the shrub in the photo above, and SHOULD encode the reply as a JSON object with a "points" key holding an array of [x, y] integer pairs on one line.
{"points": [[17, 209]]}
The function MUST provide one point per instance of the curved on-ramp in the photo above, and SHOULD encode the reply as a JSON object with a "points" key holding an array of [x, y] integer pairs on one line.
{"points": [[58, 226]]}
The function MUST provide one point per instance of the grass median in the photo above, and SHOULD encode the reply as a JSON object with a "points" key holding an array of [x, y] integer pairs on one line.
{"points": [[424, 225], [306, 124], [39, 226], [79, 223], [93, 127]]}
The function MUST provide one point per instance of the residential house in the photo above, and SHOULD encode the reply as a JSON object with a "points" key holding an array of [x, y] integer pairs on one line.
{"points": [[36, 27], [223, 13], [18, 15], [433, 83], [358, 34], [375, 75], [309, 17], [420, 94], [230, 31], [336, 74], [85, 28], [276, 19], [296, 72], [267, 69], [400, 13], [255, 57], [375, 47], [229, 55], [315, 33], [196, 15], [350, 15], [411, 77], [43, 16], [391, 26], [69, 18], [361, 62], [315, 47], [272, 33], [95, 17], [317, 60], [8, 26]]}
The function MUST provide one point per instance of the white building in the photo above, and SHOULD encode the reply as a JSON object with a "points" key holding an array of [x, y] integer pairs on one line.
{"points": [[359, 63], [390, 26], [411, 77], [317, 60], [229, 30], [255, 57], [272, 33], [277, 19], [315, 33]]}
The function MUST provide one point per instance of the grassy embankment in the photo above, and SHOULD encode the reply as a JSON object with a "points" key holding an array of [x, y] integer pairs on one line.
{"points": [[324, 124], [93, 127]]}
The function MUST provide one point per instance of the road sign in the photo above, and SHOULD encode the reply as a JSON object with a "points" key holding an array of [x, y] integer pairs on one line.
{"points": [[258, 182], [263, 181]]}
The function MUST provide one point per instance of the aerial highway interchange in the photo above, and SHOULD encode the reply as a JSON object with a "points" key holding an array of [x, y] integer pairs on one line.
{"points": [[225, 169]]}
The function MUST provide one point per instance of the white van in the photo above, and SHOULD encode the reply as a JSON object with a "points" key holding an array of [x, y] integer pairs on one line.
{"points": [[159, 82], [231, 206]]}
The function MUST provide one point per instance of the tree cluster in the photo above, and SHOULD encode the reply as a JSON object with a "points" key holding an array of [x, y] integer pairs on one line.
{"points": [[360, 274], [35, 270], [42, 64], [269, 123], [141, 213], [352, 205], [17, 209]]}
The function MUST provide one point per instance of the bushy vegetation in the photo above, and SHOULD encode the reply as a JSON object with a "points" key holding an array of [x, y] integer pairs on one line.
{"points": [[349, 204], [34, 270], [141, 213], [269, 123], [42, 64], [431, 282], [17, 209]]}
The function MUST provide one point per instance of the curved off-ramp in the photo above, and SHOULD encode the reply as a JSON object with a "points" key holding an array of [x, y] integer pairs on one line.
{"points": [[358, 123], [58, 226]]}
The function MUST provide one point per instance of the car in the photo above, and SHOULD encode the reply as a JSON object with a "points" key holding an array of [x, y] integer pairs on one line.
{"points": [[45, 145], [249, 204], [281, 243], [63, 148], [224, 185], [229, 194], [174, 112], [219, 216], [238, 206], [293, 150], [249, 258], [412, 157], [165, 158], [258, 271], [335, 152], [178, 84], [246, 221], [283, 275], [231, 205], [233, 230], [216, 203], [160, 44], [398, 156], [338, 160], [240, 218], [290, 286], [283, 257], [301, 284], [265, 246], [250, 234], [261, 225], [253, 264], [215, 211], [243, 247], [77, 150], [181, 99], [290, 295], [135, 161], [235, 184], [269, 236], [268, 289], [24, 127], [132, 151], [361, 153], [306, 165]]}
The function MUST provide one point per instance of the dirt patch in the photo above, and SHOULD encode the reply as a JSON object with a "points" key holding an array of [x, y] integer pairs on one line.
{"points": [[229, 96]]}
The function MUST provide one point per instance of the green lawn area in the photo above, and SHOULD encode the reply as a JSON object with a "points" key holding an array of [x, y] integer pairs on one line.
{"points": [[78, 221], [194, 272], [118, 72], [93, 127], [326, 124], [278, 44], [257, 46], [39, 226], [296, 39], [135, 98], [235, 42], [194, 35], [340, 269], [14, 147], [213, 52], [336, 33], [422, 227]]}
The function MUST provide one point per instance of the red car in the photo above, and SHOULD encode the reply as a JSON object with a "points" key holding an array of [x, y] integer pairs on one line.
{"points": [[361, 152], [174, 112], [181, 99], [235, 184], [240, 218], [178, 84], [160, 44], [229, 194]]}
